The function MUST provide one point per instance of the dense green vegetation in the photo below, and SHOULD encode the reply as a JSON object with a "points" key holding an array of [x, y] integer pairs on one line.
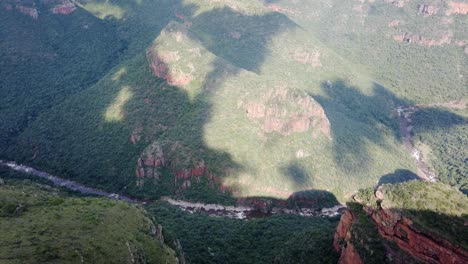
{"points": [[438, 208], [43, 62], [40, 224], [291, 239], [444, 146], [265, 98], [362, 32], [235, 54], [205, 121]]}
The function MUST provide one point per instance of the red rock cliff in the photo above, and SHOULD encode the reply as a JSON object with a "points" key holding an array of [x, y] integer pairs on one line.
{"points": [[426, 247], [393, 226], [342, 238]]}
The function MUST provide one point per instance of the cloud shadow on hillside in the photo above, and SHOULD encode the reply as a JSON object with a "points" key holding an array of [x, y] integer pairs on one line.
{"points": [[183, 118], [398, 176], [239, 39], [358, 119]]}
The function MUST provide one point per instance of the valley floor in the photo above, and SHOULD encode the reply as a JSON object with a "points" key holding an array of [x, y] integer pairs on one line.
{"points": [[235, 212]]}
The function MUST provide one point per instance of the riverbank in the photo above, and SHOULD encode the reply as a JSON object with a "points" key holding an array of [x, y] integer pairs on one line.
{"points": [[215, 210]]}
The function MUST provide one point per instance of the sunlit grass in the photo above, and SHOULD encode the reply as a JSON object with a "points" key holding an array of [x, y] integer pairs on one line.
{"points": [[119, 74], [105, 9], [56, 228], [115, 111]]}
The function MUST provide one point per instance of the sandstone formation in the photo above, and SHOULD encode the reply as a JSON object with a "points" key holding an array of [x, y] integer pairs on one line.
{"points": [[160, 65], [341, 240], [65, 7], [173, 155], [30, 11], [427, 10], [394, 227], [397, 3], [305, 57], [408, 37], [286, 112], [457, 8]]}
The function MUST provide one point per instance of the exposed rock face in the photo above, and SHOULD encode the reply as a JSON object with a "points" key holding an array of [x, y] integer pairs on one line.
{"points": [[280, 9], [136, 135], [65, 7], [160, 64], [305, 57], [185, 167], [399, 229], [410, 38], [349, 256], [394, 23], [30, 7], [30, 11], [397, 3], [393, 226], [457, 8], [286, 112], [341, 240], [427, 10]]}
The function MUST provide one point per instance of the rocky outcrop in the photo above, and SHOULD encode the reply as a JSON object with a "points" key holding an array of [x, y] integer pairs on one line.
{"points": [[393, 226], [410, 38], [342, 240], [311, 58], [394, 23], [427, 10], [280, 9], [185, 167], [33, 8], [287, 112], [457, 8], [160, 65], [397, 3], [29, 11], [414, 244], [65, 7]]}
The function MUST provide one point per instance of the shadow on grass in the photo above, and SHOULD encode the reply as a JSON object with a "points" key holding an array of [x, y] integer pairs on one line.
{"points": [[398, 176], [358, 119], [239, 39], [72, 142]]}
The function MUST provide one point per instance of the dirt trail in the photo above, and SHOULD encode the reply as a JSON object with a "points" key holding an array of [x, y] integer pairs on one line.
{"points": [[235, 212]]}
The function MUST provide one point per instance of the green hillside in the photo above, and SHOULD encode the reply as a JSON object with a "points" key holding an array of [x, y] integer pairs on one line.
{"points": [[442, 146], [313, 86], [42, 225], [286, 238], [227, 102]]}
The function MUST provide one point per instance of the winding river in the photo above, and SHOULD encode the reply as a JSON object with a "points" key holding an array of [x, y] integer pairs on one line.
{"points": [[216, 210]]}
